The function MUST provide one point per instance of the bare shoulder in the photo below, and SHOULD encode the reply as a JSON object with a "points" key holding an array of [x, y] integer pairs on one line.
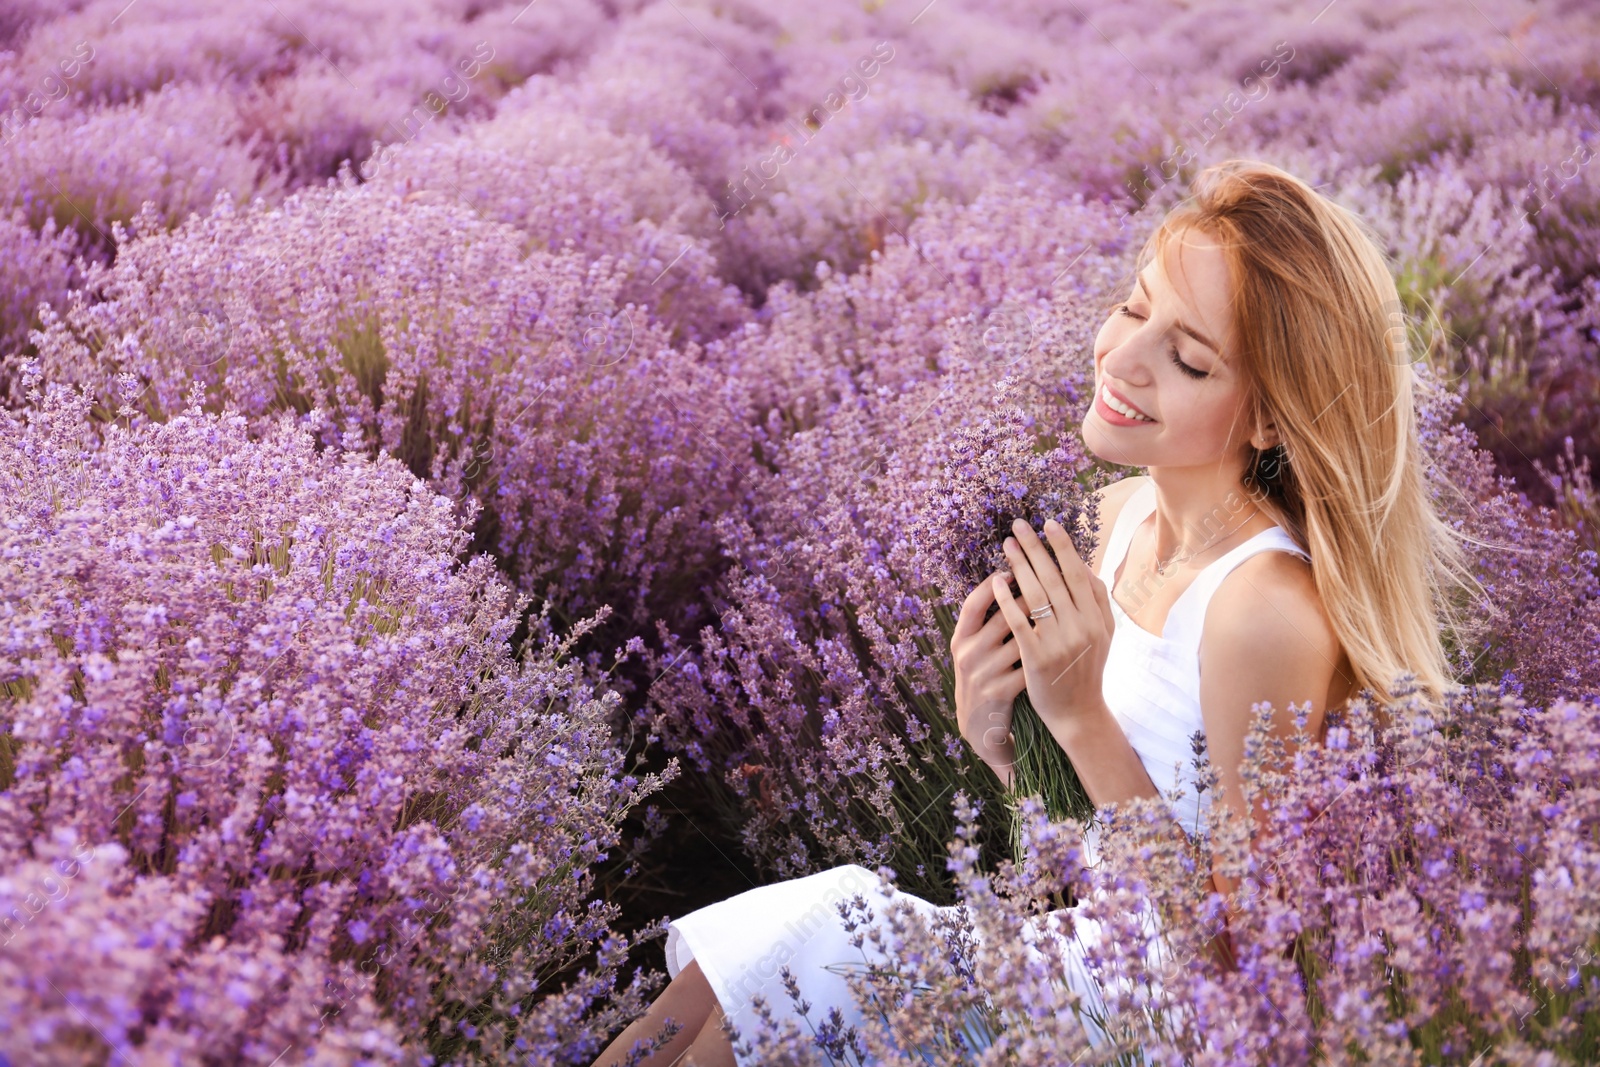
{"points": [[1271, 592], [1266, 640], [1111, 498], [1267, 620]]}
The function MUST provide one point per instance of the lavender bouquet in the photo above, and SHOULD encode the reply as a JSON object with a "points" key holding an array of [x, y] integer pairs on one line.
{"points": [[995, 472]]}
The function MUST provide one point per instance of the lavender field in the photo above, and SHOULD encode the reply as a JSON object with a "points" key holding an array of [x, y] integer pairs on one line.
{"points": [[462, 466]]}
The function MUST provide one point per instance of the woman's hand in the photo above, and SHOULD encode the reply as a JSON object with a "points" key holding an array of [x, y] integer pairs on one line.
{"points": [[987, 681], [1064, 653]]}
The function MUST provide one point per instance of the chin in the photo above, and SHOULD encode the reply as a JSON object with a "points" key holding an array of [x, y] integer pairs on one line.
{"points": [[1094, 441]]}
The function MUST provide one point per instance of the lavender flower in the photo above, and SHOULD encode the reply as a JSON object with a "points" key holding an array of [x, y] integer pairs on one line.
{"points": [[998, 472]]}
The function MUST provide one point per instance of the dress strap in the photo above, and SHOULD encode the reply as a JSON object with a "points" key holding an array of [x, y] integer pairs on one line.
{"points": [[1186, 618], [1135, 510]]}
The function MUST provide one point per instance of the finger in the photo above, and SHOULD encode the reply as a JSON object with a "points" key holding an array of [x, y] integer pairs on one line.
{"points": [[1074, 571], [1004, 655], [1102, 597], [971, 618], [995, 631], [1033, 594], [1019, 681], [1021, 628], [1045, 569]]}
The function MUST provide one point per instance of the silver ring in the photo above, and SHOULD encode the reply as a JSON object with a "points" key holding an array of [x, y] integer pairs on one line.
{"points": [[1042, 613]]}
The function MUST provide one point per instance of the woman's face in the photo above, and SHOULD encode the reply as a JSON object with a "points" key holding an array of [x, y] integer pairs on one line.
{"points": [[1196, 411]]}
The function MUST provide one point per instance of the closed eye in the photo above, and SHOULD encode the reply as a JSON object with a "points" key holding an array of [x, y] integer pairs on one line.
{"points": [[1192, 372]]}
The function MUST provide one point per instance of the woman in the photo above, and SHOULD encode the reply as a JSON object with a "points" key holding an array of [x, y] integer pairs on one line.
{"points": [[1283, 535]]}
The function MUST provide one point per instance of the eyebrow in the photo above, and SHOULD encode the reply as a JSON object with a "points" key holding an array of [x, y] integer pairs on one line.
{"points": [[1191, 331]]}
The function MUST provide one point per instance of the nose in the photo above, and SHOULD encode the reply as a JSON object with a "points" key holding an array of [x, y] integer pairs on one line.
{"points": [[1126, 361]]}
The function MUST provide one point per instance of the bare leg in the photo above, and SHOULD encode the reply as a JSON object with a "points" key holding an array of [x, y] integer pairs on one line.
{"points": [[688, 1000], [712, 1047]]}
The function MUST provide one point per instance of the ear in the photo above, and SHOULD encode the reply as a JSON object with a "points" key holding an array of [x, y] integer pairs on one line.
{"points": [[1266, 436]]}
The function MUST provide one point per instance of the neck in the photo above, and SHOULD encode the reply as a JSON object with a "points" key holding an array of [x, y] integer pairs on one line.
{"points": [[1199, 509]]}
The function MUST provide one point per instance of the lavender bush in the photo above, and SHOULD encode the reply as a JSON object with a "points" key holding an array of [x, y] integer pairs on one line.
{"points": [[274, 787], [1422, 893], [36, 269], [509, 377], [176, 150]]}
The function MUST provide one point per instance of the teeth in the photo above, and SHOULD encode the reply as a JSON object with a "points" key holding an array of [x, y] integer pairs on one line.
{"points": [[1120, 408]]}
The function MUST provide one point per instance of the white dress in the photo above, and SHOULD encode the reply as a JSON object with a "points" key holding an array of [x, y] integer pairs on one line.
{"points": [[1151, 685]]}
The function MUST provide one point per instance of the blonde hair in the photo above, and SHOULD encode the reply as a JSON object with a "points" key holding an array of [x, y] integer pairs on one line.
{"points": [[1321, 344]]}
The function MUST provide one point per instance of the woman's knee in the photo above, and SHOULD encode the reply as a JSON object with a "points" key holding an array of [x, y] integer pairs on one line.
{"points": [[686, 1002], [712, 1046]]}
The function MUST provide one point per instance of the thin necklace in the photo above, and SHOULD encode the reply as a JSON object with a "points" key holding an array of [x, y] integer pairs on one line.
{"points": [[1161, 567]]}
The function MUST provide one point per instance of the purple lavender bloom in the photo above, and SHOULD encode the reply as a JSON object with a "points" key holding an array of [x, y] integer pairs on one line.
{"points": [[997, 472]]}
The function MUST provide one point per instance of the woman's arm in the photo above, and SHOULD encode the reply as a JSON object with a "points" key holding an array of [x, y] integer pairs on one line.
{"points": [[1112, 771], [1266, 639]]}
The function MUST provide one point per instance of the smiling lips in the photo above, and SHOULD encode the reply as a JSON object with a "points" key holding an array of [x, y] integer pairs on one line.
{"points": [[1121, 406]]}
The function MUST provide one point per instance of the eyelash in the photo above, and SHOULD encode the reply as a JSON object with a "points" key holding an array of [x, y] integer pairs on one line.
{"points": [[1173, 352]]}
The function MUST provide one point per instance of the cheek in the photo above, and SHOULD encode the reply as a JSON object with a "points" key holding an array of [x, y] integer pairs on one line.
{"points": [[1205, 420]]}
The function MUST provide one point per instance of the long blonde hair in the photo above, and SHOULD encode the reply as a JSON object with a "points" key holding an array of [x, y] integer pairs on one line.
{"points": [[1323, 349]]}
